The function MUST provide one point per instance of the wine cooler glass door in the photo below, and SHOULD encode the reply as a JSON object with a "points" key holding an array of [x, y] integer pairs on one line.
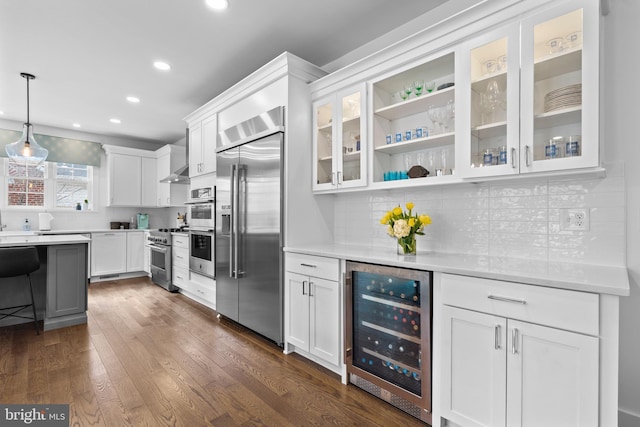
{"points": [[390, 338]]}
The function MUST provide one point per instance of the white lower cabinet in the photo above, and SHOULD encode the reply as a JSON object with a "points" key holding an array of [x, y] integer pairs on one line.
{"points": [[135, 251], [501, 366], [312, 308], [108, 253], [195, 286], [118, 252]]}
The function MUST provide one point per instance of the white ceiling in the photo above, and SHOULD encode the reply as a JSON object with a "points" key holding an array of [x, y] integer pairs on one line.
{"points": [[89, 55]]}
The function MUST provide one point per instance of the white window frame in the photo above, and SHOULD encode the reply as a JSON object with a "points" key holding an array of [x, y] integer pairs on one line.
{"points": [[49, 189]]}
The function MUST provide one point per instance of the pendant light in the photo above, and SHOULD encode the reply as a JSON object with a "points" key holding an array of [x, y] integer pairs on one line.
{"points": [[26, 150]]}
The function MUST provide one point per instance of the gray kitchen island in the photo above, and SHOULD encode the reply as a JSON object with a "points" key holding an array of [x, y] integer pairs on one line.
{"points": [[59, 285]]}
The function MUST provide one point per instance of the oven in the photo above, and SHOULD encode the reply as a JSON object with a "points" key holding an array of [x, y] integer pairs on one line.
{"points": [[202, 243], [202, 208], [160, 259]]}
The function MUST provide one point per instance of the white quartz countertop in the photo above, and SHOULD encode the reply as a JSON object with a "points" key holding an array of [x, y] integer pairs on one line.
{"points": [[36, 240], [85, 231], [580, 277]]}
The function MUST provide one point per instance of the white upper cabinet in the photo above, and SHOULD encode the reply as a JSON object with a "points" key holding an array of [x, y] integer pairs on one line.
{"points": [[560, 86], [339, 131], [132, 177], [202, 146], [487, 119], [413, 123], [489, 93], [529, 95]]}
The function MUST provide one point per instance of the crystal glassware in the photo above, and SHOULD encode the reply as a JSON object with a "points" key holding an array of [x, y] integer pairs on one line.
{"points": [[408, 89], [418, 86], [430, 86]]}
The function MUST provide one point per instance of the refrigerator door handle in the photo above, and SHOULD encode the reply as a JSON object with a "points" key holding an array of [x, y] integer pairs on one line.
{"points": [[241, 218], [233, 227]]}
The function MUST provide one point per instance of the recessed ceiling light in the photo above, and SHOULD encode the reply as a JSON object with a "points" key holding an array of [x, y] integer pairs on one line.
{"points": [[114, 120], [1, 113], [217, 4], [133, 99], [76, 125], [161, 65]]}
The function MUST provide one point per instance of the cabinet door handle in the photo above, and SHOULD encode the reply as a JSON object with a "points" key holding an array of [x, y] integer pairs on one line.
{"points": [[496, 343], [339, 177], [507, 299], [527, 153], [310, 285], [513, 158], [514, 341], [308, 265], [303, 284]]}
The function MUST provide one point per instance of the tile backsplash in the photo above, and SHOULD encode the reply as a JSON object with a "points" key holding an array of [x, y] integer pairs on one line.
{"points": [[517, 218]]}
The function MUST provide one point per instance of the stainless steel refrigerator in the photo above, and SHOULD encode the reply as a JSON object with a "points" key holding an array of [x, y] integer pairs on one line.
{"points": [[249, 261]]}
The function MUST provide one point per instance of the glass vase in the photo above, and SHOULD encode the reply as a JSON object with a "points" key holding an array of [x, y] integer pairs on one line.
{"points": [[407, 246]]}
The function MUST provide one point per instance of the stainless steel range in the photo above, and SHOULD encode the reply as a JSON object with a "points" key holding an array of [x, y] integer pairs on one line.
{"points": [[160, 245]]}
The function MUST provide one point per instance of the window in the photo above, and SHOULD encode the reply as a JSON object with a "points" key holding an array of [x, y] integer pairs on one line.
{"points": [[72, 184], [52, 185], [25, 185]]}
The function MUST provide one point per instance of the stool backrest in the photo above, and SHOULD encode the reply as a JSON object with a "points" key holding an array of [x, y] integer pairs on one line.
{"points": [[18, 261]]}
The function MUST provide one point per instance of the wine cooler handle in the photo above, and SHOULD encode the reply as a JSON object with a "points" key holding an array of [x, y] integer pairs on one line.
{"points": [[514, 341], [496, 343], [420, 358]]}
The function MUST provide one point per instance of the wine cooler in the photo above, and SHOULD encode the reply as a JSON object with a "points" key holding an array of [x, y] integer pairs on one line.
{"points": [[388, 335]]}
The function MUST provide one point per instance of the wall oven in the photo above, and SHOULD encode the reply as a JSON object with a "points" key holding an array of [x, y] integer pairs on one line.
{"points": [[388, 334]]}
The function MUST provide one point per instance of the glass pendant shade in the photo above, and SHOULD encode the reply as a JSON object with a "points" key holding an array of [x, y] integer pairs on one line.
{"points": [[26, 151]]}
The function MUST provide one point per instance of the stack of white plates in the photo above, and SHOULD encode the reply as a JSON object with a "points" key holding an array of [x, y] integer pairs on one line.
{"points": [[565, 97]]}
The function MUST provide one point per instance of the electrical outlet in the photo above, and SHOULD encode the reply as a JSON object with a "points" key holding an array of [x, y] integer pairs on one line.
{"points": [[575, 219]]}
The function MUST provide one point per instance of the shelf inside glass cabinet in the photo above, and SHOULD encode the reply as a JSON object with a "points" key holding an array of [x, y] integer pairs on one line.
{"points": [[417, 144], [415, 105]]}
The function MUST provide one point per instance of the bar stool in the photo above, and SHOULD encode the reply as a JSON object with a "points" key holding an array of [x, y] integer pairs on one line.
{"points": [[15, 262]]}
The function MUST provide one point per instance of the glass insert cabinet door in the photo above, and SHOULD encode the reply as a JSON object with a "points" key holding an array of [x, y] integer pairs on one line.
{"points": [[560, 89], [339, 140], [324, 135], [489, 70]]}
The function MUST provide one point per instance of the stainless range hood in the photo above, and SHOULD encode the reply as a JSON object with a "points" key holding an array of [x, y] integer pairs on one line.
{"points": [[180, 175]]}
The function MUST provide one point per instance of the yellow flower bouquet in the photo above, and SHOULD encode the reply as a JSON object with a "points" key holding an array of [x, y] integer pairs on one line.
{"points": [[405, 226]]}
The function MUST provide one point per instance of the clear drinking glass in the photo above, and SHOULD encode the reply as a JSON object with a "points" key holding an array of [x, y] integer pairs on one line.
{"points": [[418, 86], [408, 89], [430, 86]]}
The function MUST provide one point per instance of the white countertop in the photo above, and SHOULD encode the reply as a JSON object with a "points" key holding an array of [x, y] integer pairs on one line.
{"points": [[581, 277], [35, 240], [85, 231]]}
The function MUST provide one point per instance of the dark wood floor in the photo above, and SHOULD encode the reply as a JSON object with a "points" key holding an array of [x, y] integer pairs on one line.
{"points": [[151, 358]]}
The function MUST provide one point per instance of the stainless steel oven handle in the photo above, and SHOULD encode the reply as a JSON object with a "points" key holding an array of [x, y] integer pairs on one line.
{"points": [[162, 249]]}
